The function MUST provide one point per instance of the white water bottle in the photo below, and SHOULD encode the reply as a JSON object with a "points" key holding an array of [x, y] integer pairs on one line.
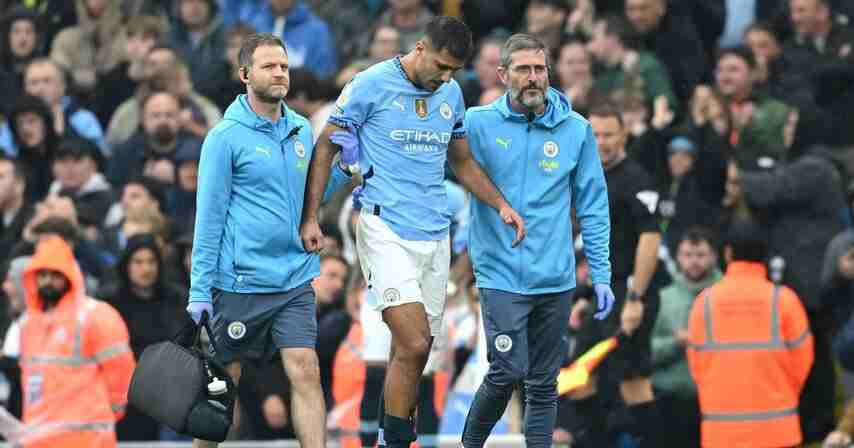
{"points": [[216, 388]]}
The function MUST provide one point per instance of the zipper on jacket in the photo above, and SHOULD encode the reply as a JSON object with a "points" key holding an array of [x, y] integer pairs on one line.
{"points": [[294, 132], [521, 204]]}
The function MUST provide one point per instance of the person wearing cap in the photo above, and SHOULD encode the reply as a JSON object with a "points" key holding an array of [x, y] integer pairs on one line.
{"points": [[77, 171], [691, 185]]}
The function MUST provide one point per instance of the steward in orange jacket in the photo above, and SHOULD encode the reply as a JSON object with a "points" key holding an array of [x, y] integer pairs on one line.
{"points": [[348, 384], [76, 362], [750, 352]]}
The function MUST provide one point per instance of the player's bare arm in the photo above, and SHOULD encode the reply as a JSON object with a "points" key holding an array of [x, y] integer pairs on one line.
{"points": [[318, 176]]}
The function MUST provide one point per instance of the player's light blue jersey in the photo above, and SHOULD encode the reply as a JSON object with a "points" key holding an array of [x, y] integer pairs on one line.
{"points": [[404, 133]]}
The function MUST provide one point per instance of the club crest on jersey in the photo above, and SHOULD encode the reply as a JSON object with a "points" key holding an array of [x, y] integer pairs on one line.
{"points": [[421, 107], [236, 330], [299, 149], [550, 149], [445, 111]]}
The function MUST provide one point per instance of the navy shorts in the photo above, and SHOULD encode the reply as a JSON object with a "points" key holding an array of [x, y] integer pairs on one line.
{"points": [[256, 326]]}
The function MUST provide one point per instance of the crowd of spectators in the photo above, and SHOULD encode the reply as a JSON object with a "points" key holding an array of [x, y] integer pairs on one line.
{"points": [[734, 107]]}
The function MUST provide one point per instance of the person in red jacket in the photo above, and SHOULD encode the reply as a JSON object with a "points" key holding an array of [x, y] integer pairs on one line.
{"points": [[749, 351], [76, 362]]}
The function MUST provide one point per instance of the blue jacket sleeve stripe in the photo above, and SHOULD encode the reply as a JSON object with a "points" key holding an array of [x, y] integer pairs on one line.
{"points": [[212, 202], [590, 196]]}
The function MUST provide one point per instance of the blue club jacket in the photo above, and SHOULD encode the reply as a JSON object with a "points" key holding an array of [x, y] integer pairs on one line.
{"points": [[252, 177], [544, 168]]}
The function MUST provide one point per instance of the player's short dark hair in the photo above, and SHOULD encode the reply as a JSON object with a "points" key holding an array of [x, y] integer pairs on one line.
{"points": [[451, 34], [606, 109], [697, 235], [252, 42], [520, 42], [740, 52], [747, 241]]}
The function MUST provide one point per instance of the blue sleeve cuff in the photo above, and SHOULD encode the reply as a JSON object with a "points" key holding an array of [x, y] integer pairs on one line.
{"points": [[601, 278]]}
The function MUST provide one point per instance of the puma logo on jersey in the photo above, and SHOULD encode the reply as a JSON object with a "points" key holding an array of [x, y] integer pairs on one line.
{"points": [[503, 142], [400, 105]]}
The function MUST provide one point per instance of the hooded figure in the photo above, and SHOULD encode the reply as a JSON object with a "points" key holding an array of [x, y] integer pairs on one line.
{"points": [[153, 310], [36, 152], [72, 346], [16, 52]]}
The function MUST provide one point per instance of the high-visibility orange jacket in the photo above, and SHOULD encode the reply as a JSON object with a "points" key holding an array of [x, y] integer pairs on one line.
{"points": [[750, 351], [348, 384], [76, 362]]}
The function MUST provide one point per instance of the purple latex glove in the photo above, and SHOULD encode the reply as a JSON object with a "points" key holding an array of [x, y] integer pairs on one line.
{"points": [[349, 144], [196, 309], [604, 300]]}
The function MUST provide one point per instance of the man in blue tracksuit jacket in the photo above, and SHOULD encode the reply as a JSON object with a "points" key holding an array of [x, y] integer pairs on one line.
{"points": [[249, 268], [543, 158]]}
